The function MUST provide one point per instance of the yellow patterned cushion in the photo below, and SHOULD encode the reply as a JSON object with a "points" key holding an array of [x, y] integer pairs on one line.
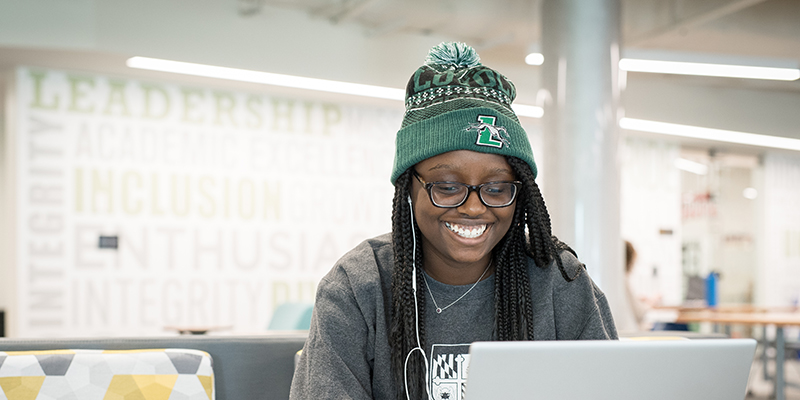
{"points": [[152, 374]]}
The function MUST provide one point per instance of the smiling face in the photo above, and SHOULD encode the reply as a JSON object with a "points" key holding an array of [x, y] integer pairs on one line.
{"points": [[457, 242]]}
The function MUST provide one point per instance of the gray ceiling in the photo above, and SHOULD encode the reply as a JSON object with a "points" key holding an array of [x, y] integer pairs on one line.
{"points": [[505, 30]]}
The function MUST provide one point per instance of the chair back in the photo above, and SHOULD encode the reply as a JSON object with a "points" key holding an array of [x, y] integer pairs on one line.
{"points": [[94, 374]]}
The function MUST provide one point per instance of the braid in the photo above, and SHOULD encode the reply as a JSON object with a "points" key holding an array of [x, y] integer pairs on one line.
{"points": [[403, 335], [513, 309], [543, 247]]}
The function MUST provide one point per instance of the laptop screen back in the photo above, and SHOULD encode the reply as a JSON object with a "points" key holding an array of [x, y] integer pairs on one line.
{"points": [[703, 369]]}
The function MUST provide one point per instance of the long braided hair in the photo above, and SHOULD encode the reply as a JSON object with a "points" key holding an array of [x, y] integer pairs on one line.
{"points": [[528, 236]]}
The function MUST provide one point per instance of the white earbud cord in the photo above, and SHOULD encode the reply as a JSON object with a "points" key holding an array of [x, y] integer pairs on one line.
{"points": [[416, 310]]}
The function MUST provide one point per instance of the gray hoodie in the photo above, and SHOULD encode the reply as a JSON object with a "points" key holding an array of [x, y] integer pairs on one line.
{"points": [[347, 354]]}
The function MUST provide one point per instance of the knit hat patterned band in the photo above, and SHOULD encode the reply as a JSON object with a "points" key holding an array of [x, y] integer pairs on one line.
{"points": [[455, 103]]}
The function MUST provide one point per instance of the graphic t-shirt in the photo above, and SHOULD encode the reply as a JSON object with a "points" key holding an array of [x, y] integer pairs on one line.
{"points": [[449, 365], [450, 332]]}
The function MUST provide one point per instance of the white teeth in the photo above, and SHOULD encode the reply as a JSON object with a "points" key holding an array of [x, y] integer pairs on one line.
{"points": [[468, 232]]}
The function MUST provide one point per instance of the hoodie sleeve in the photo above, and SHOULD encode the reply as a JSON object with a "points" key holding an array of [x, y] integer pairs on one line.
{"points": [[349, 330], [335, 362], [581, 309]]}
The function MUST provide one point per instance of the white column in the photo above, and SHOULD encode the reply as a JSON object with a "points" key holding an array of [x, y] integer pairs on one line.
{"points": [[580, 44]]}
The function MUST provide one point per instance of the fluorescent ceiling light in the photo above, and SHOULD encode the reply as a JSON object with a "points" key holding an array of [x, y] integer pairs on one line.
{"points": [[266, 78], [534, 59], [704, 69], [298, 82], [719, 135], [528, 111], [691, 166]]}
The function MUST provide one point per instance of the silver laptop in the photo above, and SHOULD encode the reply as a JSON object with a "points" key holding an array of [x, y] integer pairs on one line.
{"points": [[701, 369]]}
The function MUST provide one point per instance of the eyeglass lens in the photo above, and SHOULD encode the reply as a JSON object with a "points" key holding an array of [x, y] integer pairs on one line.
{"points": [[493, 194]]}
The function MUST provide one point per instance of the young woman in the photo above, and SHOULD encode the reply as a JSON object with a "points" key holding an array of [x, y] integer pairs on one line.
{"points": [[470, 257]]}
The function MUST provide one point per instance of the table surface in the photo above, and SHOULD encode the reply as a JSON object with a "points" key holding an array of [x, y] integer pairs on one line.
{"points": [[744, 308], [777, 318]]}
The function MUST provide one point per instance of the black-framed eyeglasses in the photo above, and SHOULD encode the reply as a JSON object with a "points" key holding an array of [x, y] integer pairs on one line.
{"points": [[454, 194]]}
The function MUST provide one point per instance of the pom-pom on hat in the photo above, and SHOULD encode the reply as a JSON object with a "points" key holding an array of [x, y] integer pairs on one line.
{"points": [[455, 103]]}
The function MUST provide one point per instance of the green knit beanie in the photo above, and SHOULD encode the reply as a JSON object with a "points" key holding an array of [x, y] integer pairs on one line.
{"points": [[455, 103]]}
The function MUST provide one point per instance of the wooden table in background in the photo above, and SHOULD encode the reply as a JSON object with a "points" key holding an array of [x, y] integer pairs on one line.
{"points": [[755, 316]]}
